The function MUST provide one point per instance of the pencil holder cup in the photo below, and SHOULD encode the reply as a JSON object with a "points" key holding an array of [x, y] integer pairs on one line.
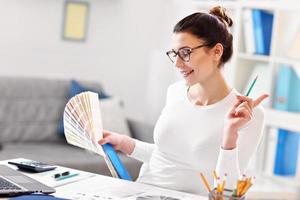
{"points": [[226, 195]]}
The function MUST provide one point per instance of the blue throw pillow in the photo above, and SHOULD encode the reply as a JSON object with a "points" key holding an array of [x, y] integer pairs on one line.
{"points": [[75, 89]]}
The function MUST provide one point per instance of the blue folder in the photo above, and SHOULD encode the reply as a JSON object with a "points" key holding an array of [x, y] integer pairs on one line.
{"points": [[117, 163], [288, 99], [258, 32], [286, 153], [263, 26]]}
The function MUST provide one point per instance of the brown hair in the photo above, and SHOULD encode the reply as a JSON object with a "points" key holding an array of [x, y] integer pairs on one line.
{"points": [[212, 28]]}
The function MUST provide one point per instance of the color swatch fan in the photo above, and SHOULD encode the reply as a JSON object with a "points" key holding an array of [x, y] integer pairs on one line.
{"points": [[83, 128], [82, 122]]}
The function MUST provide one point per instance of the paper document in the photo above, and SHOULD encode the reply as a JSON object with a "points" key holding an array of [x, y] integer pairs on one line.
{"points": [[102, 187]]}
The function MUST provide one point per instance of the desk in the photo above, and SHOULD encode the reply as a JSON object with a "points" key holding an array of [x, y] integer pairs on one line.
{"points": [[102, 187], [91, 186]]}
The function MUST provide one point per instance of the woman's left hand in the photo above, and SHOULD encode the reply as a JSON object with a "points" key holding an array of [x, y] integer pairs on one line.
{"points": [[239, 115]]}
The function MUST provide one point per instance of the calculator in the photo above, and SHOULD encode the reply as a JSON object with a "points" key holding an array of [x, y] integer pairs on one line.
{"points": [[32, 166]]}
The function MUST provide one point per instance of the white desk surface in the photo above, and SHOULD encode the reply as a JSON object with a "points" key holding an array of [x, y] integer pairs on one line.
{"points": [[103, 187], [91, 186]]}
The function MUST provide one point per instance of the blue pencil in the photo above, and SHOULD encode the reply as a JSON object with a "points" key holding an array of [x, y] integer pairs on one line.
{"points": [[251, 86]]}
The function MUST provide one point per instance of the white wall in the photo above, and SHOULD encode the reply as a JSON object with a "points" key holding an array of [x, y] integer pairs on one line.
{"points": [[161, 71], [125, 47]]}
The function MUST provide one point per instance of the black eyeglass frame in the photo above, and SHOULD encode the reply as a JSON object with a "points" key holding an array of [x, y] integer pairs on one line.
{"points": [[189, 54]]}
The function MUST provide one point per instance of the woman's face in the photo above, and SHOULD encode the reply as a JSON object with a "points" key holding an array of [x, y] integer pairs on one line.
{"points": [[203, 61]]}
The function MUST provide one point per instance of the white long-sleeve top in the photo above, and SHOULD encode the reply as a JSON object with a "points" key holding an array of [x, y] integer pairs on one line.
{"points": [[187, 141]]}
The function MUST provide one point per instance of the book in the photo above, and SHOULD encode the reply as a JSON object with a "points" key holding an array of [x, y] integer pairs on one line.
{"points": [[270, 152], [263, 26], [248, 31], [83, 128], [287, 98]]}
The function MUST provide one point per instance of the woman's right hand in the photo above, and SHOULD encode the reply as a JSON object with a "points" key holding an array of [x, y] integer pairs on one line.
{"points": [[120, 142]]}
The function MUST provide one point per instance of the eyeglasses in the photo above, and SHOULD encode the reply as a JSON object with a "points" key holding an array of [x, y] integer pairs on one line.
{"points": [[183, 53]]}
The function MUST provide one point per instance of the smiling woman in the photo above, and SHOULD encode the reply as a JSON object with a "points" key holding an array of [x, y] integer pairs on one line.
{"points": [[198, 30], [206, 124]]}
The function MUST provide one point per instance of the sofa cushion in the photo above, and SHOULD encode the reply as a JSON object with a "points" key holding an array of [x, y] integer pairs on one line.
{"points": [[65, 155], [30, 108], [141, 130], [76, 88]]}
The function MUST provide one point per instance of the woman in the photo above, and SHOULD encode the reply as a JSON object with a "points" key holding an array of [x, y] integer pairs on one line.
{"points": [[205, 125]]}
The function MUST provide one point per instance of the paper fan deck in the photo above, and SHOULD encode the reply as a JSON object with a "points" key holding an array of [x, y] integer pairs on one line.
{"points": [[82, 122], [83, 128]]}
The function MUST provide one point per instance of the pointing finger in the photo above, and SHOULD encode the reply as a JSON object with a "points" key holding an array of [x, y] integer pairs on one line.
{"points": [[260, 99]]}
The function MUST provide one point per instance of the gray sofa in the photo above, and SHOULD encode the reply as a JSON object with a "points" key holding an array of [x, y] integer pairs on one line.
{"points": [[30, 111]]}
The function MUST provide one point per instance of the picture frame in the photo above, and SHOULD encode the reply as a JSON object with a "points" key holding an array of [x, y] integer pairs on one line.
{"points": [[75, 21]]}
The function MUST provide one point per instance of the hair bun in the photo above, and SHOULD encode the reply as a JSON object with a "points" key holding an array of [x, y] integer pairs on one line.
{"points": [[221, 13]]}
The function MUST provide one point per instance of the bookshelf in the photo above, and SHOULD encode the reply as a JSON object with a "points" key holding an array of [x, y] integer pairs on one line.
{"points": [[274, 119], [286, 24]]}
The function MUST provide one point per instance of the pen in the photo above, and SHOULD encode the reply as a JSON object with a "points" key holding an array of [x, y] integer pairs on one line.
{"points": [[68, 176], [64, 175], [61, 174], [251, 86]]}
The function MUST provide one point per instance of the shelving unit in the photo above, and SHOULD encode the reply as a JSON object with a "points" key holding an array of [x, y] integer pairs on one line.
{"points": [[286, 23], [275, 118]]}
